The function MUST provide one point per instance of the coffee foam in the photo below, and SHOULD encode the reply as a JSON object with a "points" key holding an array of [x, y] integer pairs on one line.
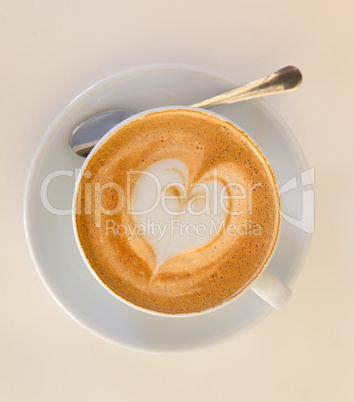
{"points": [[201, 155], [186, 214]]}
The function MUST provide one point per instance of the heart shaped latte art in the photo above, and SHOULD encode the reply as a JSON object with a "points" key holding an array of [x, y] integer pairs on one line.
{"points": [[177, 216]]}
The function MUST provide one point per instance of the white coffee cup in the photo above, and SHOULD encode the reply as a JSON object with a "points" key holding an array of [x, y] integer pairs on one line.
{"points": [[266, 285]]}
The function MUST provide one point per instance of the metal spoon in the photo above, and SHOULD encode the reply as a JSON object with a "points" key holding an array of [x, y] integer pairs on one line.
{"points": [[88, 133]]}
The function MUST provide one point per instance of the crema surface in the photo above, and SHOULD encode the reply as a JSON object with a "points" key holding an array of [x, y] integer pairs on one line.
{"points": [[177, 211]]}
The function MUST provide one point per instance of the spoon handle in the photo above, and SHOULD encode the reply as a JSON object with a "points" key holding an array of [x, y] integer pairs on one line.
{"points": [[286, 79]]}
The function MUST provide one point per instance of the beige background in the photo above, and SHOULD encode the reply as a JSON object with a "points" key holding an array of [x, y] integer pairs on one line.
{"points": [[51, 50]]}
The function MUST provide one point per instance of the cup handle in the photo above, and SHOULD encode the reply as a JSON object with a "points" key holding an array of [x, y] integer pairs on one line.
{"points": [[268, 287]]}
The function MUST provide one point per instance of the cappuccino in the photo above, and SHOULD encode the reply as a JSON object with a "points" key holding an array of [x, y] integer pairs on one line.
{"points": [[177, 211]]}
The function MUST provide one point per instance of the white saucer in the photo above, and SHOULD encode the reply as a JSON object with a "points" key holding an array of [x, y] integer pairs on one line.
{"points": [[51, 240]]}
